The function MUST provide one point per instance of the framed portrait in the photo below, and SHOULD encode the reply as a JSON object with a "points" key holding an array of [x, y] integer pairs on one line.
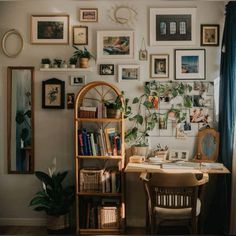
{"points": [[172, 26], [115, 44], [190, 64], [178, 155], [80, 35], [107, 69], [88, 14], [128, 73], [143, 55], [70, 100], [210, 35], [53, 94], [159, 66], [77, 80], [49, 29]]}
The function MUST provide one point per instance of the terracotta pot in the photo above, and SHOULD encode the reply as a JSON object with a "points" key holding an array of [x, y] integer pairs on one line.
{"points": [[83, 62], [139, 151], [113, 113], [58, 222]]}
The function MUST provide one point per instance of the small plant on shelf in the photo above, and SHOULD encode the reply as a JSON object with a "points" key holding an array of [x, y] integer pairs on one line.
{"points": [[46, 62], [57, 63], [73, 61], [83, 55]]}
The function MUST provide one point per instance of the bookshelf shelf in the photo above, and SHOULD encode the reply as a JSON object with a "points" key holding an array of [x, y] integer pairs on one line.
{"points": [[99, 163]]}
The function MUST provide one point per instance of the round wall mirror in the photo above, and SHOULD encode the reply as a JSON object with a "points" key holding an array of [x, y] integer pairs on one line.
{"points": [[12, 43]]}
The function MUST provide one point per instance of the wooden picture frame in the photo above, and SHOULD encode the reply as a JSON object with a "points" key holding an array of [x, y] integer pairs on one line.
{"points": [[49, 29], [172, 26], [190, 64], [80, 35], [159, 66], [88, 15], [107, 69], [70, 100], [53, 94], [115, 44], [128, 73], [210, 35]]}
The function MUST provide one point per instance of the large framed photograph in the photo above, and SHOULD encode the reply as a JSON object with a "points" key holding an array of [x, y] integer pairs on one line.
{"points": [[53, 94], [177, 155], [172, 26], [190, 64], [80, 35], [128, 73], [88, 14], [159, 66], [49, 29], [115, 44], [210, 35], [107, 69]]}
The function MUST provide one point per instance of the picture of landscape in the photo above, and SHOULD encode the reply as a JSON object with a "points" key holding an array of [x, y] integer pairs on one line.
{"points": [[190, 64]]}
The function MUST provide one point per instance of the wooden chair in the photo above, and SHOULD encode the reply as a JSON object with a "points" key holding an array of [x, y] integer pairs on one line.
{"points": [[172, 198]]}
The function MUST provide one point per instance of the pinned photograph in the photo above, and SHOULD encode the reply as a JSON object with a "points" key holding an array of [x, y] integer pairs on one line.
{"points": [[180, 133], [70, 100], [154, 100], [202, 101], [162, 121], [199, 115]]}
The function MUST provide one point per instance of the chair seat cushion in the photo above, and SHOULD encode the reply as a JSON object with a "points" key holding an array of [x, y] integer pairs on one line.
{"points": [[181, 213]]}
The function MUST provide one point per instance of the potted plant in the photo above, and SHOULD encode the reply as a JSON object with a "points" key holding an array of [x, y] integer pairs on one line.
{"points": [[57, 63], [73, 61], [54, 199], [83, 55], [64, 64], [46, 62]]}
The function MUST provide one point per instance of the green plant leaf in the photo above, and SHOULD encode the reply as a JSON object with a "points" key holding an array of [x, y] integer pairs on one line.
{"points": [[20, 117], [148, 104], [135, 100], [44, 178]]}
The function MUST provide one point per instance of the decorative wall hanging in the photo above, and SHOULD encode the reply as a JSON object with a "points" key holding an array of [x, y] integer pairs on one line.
{"points": [[159, 66], [53, 94], [123, 15], [172, 26], [80, 35], [210, 35], [115, 44], [143, 53], [9, 51], [190, 64], [88, 14], [50, 29]]}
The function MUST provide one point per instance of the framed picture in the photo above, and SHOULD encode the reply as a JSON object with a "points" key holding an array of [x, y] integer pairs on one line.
{"points": [[53, 94], [77, 80], [172, 26], [190, 64], [88, 14], [178, 155], [115, 44], [210, 35], [107, 69], [143, 55], [80, 35], [70, 100], [159, 66], [128, 72], [49, 29]]}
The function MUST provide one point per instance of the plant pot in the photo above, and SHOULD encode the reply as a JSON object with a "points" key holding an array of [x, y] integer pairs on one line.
{"points": [[46, 66], [113, 113], [83, 62], [55, 223], [72, 66], [139, 151]]}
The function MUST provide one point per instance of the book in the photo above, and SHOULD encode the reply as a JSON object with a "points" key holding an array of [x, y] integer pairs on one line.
{"points": [[85, 142], [113, 182], [80, 143], [109, 134], [90, 153], [94, 151], [103, 141], [212, 165]]}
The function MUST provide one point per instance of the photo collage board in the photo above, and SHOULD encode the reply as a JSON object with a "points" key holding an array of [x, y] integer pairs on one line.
{"points": [[199, 114]]}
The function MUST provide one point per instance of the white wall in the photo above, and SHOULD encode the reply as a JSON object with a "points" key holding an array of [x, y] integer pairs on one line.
{"points": [[54, 128]]}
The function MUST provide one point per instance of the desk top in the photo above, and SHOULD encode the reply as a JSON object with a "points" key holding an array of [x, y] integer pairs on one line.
{"points": [[151, 168]]}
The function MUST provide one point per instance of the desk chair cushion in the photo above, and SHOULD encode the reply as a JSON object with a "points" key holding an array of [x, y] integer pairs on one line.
{"points": [[175, 214]]}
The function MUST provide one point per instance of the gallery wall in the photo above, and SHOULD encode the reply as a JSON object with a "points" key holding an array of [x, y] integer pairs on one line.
{"points": [[54, 128]]}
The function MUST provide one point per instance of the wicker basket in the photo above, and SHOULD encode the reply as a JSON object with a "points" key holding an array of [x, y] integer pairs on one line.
{"points": [[108, 217]]}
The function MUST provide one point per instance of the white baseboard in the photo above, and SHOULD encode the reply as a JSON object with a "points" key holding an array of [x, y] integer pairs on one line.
{"points": [[23, 221], [135, 222]]}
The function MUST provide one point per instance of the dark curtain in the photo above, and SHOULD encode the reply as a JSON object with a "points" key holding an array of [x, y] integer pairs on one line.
{"points": [[227, 109]]}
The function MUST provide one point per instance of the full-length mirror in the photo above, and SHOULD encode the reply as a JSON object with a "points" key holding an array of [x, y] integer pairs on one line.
{"points": [[20, 118]]}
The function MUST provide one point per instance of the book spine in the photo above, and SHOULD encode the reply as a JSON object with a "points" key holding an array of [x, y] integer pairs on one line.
{"points": [[80, 143], [94, 152], [85, 142]]}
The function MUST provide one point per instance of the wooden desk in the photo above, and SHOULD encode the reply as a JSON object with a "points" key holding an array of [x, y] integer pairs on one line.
{"points": [[151, 168]]}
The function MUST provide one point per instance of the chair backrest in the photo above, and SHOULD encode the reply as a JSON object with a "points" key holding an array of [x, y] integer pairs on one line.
{"points": [[172, 190]]}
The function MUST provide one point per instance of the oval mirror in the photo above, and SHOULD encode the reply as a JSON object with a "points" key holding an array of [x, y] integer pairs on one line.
{"points": [[20, 119], [12, 43]]}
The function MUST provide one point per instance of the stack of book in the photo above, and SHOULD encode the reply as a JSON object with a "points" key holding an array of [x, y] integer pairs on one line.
{"points": [[88, 112], [102, 143]]}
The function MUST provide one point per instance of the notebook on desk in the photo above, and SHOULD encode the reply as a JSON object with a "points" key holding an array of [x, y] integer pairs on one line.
{"points": [[181, 165]]}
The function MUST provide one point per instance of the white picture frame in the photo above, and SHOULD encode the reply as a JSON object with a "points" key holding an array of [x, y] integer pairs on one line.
{"points": [[128, 73], [78, 80], [178, 155], [159, 66], [172, 26], [115, 44]]}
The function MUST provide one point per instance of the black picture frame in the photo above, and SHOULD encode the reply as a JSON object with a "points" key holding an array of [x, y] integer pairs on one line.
{"points": [[107, 69], [210, 35], [53, 94], [70, 100]]}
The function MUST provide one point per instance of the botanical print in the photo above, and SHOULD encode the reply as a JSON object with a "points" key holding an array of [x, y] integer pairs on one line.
{"points": [[52, 93]]}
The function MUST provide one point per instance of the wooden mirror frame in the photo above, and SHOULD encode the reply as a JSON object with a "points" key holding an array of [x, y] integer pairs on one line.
{"points": [[201, 155], [28, 150], [4, 40]]}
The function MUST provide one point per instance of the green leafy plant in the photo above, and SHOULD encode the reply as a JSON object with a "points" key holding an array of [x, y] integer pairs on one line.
{"points": [[54, 198], [117, 104], [73, 60], [57, 62], [45, 61], [82, 53]]}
